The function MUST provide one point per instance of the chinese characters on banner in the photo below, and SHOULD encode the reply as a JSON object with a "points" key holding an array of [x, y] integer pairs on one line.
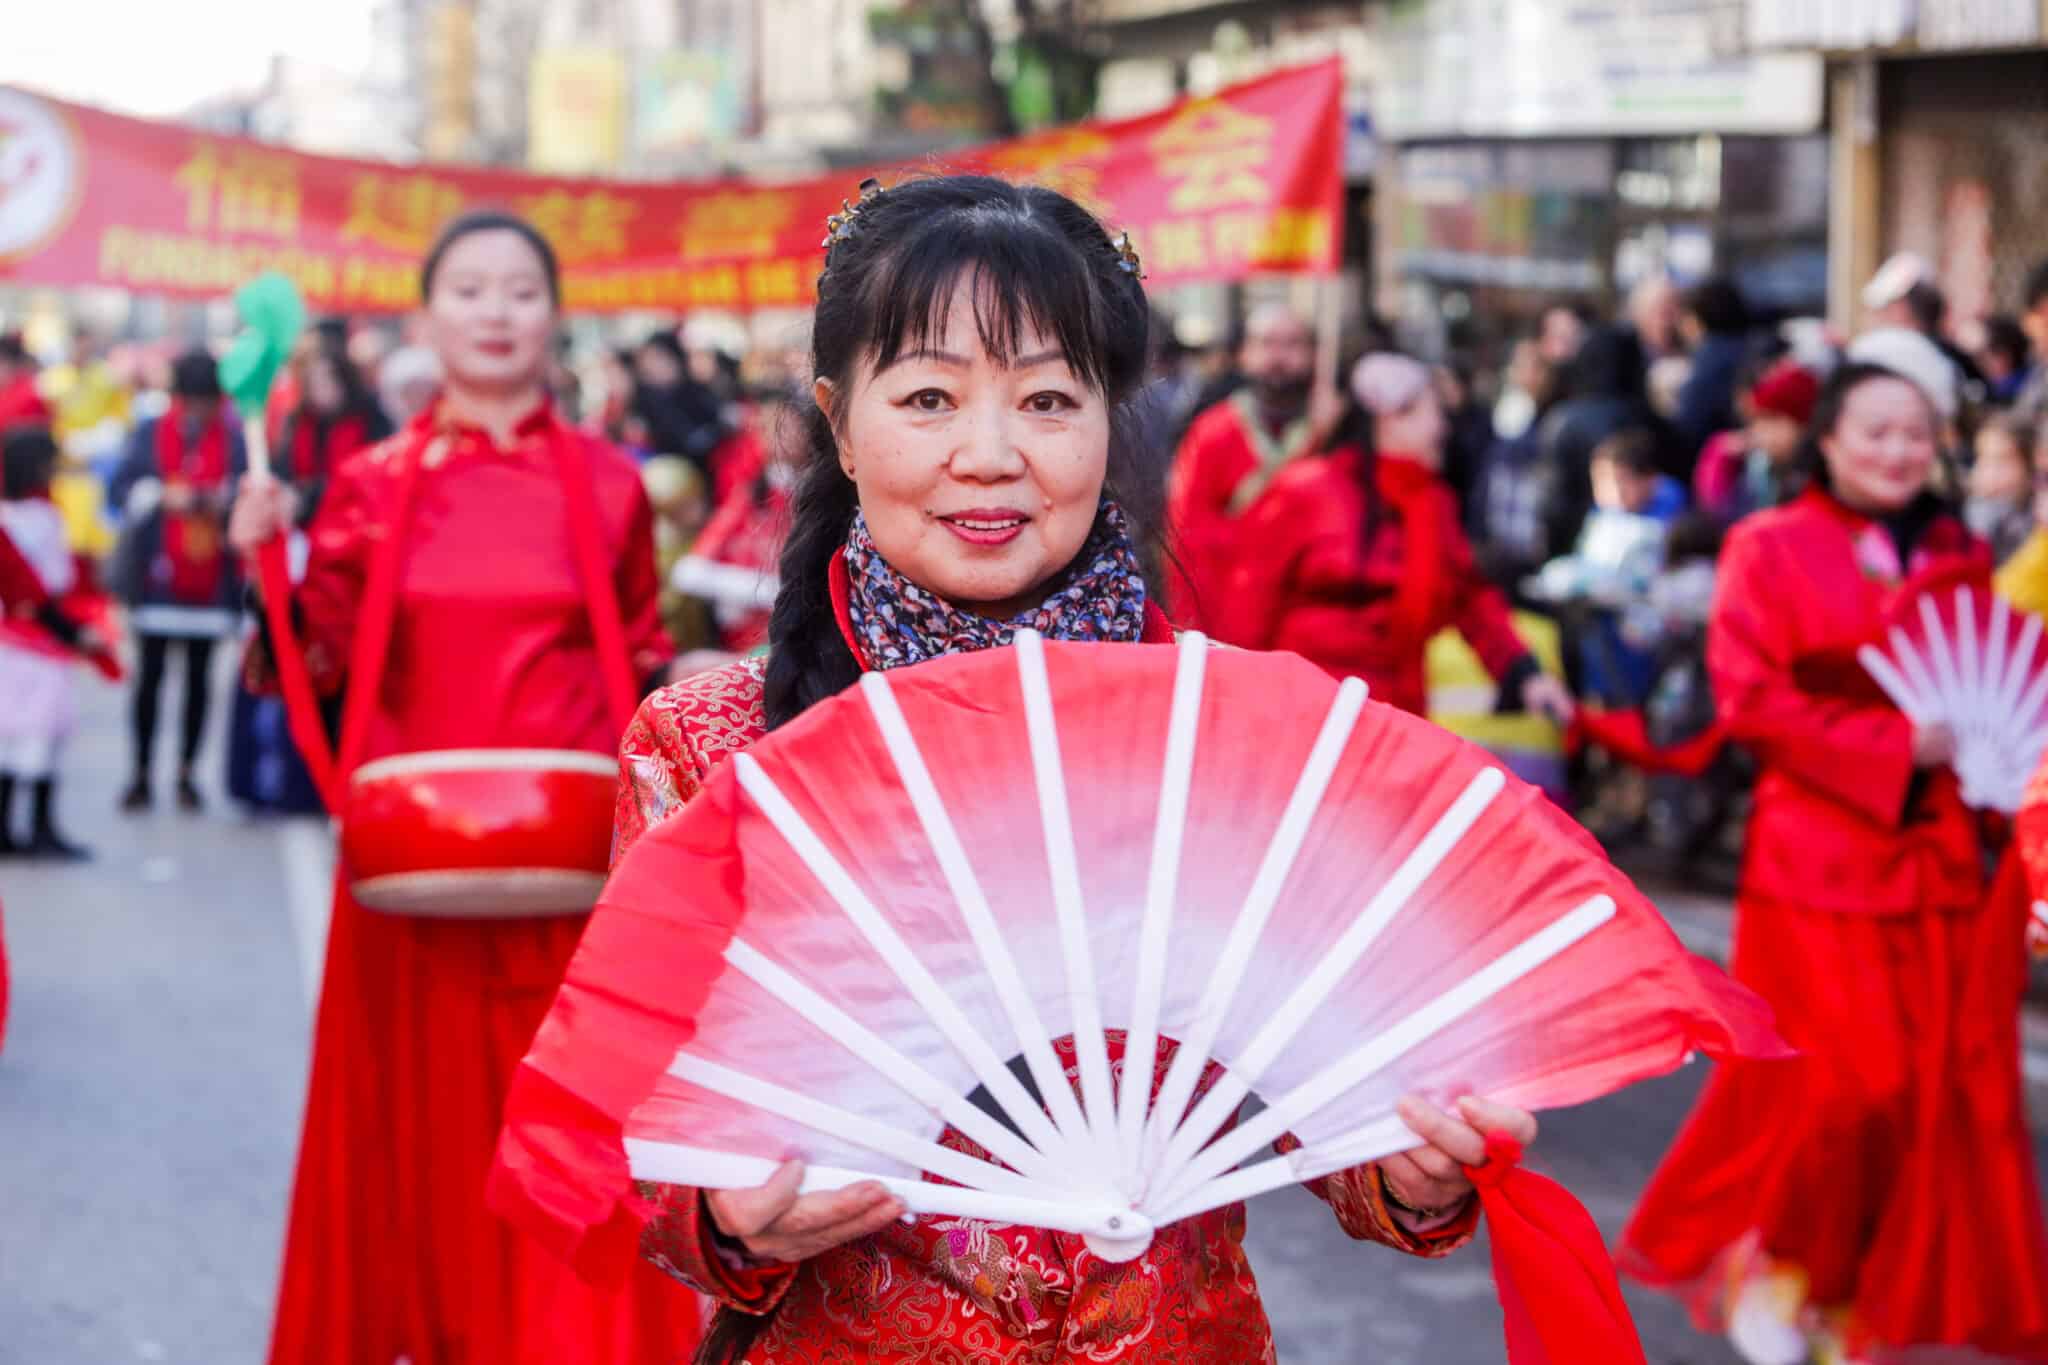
{"points": [[1246, 181]]}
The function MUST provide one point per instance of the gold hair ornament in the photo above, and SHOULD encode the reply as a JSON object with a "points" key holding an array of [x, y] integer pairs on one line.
{"points": [[841, 225]]}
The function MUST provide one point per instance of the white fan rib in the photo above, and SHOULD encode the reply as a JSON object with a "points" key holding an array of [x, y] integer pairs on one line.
{"points": [[1294, 1013], [994, 1075], [1091, 1045], [920, 1154], [1033, 1038], [912, 1079], [1375, 1141], [1997, 655], [1976, 718], [1916, 672], [1944, 659], [1155, 930], [679, 1163], [2017, 663], [1896, 687], [1235, 958], [1343, 1075]]}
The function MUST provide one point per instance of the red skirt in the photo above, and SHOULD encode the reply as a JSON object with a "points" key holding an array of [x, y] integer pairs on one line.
{"points": [[391, 1252], [1887, 1172]]}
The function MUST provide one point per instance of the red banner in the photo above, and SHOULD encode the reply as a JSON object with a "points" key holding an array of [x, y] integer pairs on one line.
{"points": [[1243, 182]]}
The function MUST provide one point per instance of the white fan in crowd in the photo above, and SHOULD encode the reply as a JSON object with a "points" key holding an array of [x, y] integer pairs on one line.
{"points": [[1966, 663]]}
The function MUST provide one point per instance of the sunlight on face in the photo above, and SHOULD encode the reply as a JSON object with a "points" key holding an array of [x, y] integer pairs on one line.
{"points": [[1882, 448], [979, 483], [490, 316]]}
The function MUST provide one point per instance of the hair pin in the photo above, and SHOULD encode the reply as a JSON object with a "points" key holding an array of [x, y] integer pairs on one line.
{"points": [[1129, 255], [840, 225]]}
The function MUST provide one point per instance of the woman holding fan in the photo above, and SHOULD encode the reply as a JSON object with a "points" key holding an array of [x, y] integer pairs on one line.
{"points": [[483, 581], [1877, 1194], [968, 474]]}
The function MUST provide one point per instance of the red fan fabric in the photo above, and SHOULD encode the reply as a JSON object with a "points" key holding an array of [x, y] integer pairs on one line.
{"points": [[391, 1252], [1560, 1299], [1887, 1170], [649, 969], [1625, 735]]}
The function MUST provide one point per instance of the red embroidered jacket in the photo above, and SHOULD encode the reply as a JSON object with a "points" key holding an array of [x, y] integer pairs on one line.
{"points": [[953, 1289]]}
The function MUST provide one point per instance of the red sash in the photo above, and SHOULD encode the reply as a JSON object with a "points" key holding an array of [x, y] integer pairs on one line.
{"points": [[193, 551], [310, 456]]}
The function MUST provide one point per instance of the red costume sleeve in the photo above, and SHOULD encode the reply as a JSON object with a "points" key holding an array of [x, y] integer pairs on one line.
{"points": [[327, 600], [638, 583], [21, 587], [682, 1241], [1359, 1199], [1273, 536], [1858, 754], [1210, 462]]}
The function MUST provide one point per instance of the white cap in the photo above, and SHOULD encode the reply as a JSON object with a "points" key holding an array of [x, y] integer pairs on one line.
{"points": [[1911, 356], [1895, 279]]}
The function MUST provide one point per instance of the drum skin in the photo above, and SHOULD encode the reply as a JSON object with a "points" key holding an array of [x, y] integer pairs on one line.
{"points": [[480, 833]]}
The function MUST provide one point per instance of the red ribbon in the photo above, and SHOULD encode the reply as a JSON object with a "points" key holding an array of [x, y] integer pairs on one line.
{"points": [[1557, 1286]]}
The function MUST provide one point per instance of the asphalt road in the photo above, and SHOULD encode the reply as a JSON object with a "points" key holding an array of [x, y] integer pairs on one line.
{"points": [[154, 1066]]}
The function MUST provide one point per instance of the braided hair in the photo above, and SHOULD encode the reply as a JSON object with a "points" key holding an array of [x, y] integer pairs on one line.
{"points": [[1035, 260]]}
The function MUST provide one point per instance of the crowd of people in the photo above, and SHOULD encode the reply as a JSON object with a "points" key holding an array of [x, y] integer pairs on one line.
{"points": [[1680, 486]]}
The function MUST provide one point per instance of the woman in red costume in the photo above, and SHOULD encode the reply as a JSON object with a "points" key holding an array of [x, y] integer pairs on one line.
{"points": [[973, 346], [392, 1254], [732, 565], [1355, 558], [1875, 1197]]}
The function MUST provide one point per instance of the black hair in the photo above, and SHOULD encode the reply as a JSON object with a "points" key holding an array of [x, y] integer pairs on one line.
{"points": [[28, 461], [1692, 535], [356, 395], [1928, 306], [1811, 464], [1635, 449], [490, 220], [2037, 286], [1610, 364], [13, 351], [2003, 336], [1719, 305], [669, 344], [1031, 257], [196, 374]]}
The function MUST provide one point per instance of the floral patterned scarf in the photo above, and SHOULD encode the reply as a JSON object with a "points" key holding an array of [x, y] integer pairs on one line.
{"points": [[1101, 596]]}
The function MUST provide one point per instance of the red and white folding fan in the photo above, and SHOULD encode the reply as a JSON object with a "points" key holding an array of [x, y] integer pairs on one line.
{"points": [[869, 914], [1962, 659]]}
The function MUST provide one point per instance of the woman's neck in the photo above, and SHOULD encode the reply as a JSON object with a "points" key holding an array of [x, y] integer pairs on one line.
{"points": [[498, 412]]}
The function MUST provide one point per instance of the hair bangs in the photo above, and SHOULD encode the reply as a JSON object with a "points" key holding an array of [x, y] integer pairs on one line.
{"points": [[1023, 279]]}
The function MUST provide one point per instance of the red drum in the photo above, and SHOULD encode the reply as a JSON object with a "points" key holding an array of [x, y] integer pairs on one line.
{"points": [[480, 833]]}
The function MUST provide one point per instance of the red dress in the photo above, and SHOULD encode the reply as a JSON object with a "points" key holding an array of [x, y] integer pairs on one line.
{"points": [[953, 1289], [391, 1252], [746, 532], [21, 592], [1883, 1184], [1308, 581], [1224, 464]]}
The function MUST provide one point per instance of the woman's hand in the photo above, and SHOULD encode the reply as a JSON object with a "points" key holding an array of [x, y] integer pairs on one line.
{"points": [[1433, 1178], [1546, 695], [1934, 745], [775, 1223], [263, 509]]}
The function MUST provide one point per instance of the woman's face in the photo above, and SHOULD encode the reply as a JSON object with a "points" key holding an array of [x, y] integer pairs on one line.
{"points": [[490, 317], [1417, 431], [2000, 472], [324, 392], [1882, 448], [979, 483]]}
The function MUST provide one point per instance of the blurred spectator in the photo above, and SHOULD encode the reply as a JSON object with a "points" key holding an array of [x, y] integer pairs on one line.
{"points": [[1904, 294], [1559, 334], [1604, 393], [2005, 360], [1231, 454], [673, 413], [1514, 485], [407, 382], [733, 563], [2023, 579], [1907, 351], [1471, 429], [172, 566], [2032, 402], [1757, 466], [1653, 314], [335, 417], [1715, 324], [21, 402], [1999, 492], [607, 416]]}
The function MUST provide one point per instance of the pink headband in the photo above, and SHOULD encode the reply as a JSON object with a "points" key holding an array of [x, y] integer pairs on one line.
{"points": [[1384, 382]]}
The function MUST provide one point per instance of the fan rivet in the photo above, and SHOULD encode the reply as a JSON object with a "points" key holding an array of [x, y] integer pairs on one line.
{"points": [[1115, 1223]]}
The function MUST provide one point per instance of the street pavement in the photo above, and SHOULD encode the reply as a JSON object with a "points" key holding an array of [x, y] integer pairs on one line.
{"points": [[154, 1069]]}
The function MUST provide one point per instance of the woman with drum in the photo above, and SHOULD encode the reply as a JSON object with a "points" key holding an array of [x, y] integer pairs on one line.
{"points": [[481, 594]]}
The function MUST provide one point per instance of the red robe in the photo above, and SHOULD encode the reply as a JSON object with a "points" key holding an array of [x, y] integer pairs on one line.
{"points": [[1225, 462], [954, 1289], [1308, 581], [1888, 1170], [23, 404], [21, 592], [391, 1251], [747, 532]]}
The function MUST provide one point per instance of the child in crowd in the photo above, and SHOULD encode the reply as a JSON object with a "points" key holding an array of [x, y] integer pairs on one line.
{"points": [[36, 654], [1999, 492], [1757, 467], [2023, 579]]}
